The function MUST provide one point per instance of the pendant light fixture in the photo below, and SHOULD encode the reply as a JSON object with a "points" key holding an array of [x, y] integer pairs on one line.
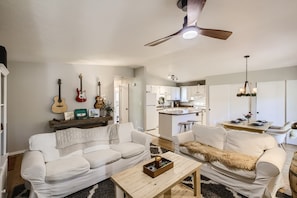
{"points": [[247, 90]]}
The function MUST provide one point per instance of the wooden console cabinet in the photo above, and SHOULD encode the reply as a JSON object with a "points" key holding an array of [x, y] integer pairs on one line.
{"points": [[83, 123]]}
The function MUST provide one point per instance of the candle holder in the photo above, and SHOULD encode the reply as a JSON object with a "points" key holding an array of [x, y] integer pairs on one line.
{"points": [[158, 161]]}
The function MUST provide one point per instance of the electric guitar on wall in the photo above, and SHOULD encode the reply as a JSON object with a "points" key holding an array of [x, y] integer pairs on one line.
{"points": [[99, 100], [59, 105], [81, 95]]}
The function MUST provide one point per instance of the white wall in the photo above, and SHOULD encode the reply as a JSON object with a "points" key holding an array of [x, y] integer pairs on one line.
{"points": [[31, 88], [272, 75], [286, 73], [137, 91]]}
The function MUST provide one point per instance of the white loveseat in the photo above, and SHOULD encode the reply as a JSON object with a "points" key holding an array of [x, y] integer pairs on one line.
{"points": [[262, 181], [89, 156]]}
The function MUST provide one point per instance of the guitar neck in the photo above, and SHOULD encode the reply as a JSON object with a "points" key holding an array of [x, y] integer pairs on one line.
{"points": [[59, 92]]}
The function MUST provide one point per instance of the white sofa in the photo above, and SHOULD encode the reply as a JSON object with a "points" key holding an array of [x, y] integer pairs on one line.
{"points": [[262, 181], [89, 156]]}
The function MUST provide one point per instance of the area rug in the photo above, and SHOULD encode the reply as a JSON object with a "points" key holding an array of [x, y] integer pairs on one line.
{"points": [[105, 189]]}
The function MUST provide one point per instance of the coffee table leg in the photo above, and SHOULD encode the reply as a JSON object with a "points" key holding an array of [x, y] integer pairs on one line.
{"points": [[197, 185], [167, 194], [119, 192]]}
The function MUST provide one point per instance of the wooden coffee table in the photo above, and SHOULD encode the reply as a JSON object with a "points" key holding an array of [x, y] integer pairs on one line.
{"points": [[135, 183]]}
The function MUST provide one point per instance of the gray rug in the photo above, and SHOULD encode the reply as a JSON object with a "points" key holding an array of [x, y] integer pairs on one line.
{"points": [[105, 189]]}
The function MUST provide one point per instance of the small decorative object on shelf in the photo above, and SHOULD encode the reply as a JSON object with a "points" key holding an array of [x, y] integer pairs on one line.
{"points": [[80, 114], [107, 108], [94, 113], [69, 115]]}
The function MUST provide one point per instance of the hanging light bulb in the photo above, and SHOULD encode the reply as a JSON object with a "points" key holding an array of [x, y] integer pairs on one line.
{"points": [[246, 90]]}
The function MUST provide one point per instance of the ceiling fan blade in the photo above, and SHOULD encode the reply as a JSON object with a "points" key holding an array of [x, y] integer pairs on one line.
{"points": [[161, 40], [218, 34], [194, 8]]}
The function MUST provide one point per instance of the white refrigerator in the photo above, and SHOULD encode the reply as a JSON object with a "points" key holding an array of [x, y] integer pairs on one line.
{"points": [[152, 116]]}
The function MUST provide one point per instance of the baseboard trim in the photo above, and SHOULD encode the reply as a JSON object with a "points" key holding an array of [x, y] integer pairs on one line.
{"points": [[16, 152]]}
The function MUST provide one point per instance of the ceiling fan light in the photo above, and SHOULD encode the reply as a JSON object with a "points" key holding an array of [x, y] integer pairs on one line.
{"points": [[190, 34]]}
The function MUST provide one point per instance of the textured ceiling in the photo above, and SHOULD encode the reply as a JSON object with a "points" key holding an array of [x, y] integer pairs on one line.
{"points": [[105, 32]]}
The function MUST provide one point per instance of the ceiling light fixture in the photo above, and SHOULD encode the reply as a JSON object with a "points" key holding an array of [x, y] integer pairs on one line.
{"points": [[190, 32], [172, 77], [247, 90]]}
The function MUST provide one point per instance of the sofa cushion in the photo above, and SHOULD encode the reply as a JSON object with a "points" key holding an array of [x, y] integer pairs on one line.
{"points": [[46, 144], [128, 149], [66, 168], [197, 156], [96, 148], [247, 174], [102, 157], [124, 132], [249, 143], [212, 136]]}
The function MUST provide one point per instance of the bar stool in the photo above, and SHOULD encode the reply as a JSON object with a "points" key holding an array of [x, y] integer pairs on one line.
{"points": [[192, 122], [184, 125]]}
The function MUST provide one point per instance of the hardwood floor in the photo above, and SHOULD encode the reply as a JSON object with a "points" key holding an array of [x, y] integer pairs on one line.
{"points": [[14, 167], [14, 173]]}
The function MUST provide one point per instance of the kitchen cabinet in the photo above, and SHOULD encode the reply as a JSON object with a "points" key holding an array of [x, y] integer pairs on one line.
{"points": [[189, 93], [152, 89], [3, 131], [168, 92], [174, 93]]}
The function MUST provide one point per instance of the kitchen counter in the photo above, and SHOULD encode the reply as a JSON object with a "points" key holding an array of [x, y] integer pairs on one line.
{"points": [[169, 119], [179, 111]]}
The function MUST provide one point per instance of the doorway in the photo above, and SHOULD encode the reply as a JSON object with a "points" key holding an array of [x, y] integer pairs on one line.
{"points": [[121, 100]]}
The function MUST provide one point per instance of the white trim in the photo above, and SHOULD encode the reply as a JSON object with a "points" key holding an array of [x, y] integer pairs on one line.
{"points": [[16, 152]]}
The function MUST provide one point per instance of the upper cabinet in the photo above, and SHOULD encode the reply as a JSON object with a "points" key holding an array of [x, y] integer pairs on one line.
{"points": [[189, 93], [168, 92], [174, 93]]}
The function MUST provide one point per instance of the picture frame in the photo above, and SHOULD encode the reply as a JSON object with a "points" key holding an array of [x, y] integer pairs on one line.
{"points": [[80, 114], [94, 113], [69, 115]]}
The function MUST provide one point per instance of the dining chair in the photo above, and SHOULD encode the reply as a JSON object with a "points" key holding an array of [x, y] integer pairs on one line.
{"points": [[280, 133]]}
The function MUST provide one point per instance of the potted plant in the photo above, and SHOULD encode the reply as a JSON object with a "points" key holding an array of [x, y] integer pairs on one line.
{"points": [[108, 108]]}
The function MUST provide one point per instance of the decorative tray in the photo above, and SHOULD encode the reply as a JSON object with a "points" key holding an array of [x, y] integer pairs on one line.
{"points": [[152, 170]]}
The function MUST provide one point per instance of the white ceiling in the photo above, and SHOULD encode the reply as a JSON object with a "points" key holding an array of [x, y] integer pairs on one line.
{"points": [[113, 32]]}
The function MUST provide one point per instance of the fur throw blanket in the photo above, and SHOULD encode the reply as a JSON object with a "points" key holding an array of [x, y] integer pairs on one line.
{"points": [[230, 159]]}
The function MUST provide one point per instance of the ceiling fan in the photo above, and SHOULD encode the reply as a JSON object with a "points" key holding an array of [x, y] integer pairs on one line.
{"points": [[190, 29]]}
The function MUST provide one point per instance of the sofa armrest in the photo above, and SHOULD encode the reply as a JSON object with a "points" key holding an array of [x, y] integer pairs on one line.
{"points": [[271, 162], [182, 138], [141, 138], [33, 167]]}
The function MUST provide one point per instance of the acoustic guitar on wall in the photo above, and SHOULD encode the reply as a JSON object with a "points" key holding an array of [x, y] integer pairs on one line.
{"points": [[99, 104], [81, 95], [59, 105]]}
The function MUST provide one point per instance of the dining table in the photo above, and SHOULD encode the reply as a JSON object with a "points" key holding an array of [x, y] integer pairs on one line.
{"points": [[251, 126]]}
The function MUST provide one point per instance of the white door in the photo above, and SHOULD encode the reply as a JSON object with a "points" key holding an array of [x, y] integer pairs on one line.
{"points": [[271, 102], [124, 103], [218, 106], [291, 107]]}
